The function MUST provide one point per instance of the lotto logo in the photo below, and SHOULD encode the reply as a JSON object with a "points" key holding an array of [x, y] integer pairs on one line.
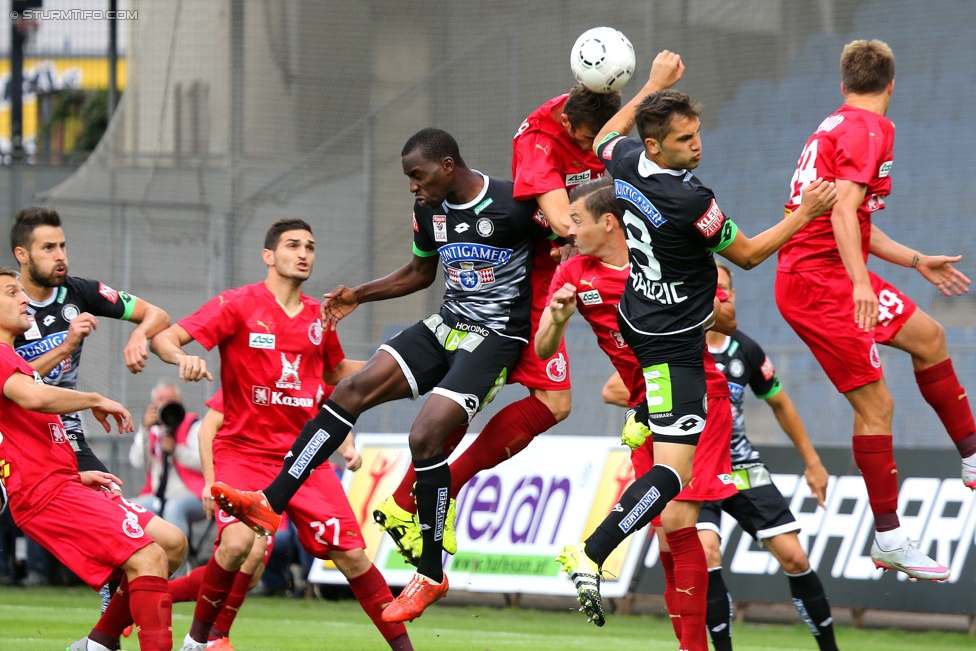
{"points": [[711, 222]]}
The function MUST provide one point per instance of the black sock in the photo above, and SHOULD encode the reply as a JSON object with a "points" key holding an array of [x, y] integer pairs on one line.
{"points": [[432, 491], [320, 437], [641, 502], [811, 603], [718, 617]]}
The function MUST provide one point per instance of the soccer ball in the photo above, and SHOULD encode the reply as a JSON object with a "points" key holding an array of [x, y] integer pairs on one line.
{"points": [[602, 59]]}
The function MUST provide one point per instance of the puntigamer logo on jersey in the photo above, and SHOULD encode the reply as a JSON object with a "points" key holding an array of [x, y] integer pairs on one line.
{"points": [[470, 265]]}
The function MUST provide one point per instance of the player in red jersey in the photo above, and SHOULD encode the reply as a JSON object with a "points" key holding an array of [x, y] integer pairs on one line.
{"points": [[842, 311], [593, 283], [552, 153], [276, 358], [52, 502]]}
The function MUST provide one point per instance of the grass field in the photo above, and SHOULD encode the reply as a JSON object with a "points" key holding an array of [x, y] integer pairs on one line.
{"points": [[48, 619]]}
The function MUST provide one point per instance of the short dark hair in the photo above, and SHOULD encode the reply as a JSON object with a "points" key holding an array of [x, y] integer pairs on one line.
{"points": [[584, 108], [599, 196], [656, 112], [281, 226], [27, 220], [867, 67], [434, 145], [7, 271]]}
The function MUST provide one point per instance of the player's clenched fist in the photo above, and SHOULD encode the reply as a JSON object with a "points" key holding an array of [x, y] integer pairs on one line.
{"points": [[666, 70], [193, 369], [338, 304], [817, 198], [563, 303], [80, 327]]}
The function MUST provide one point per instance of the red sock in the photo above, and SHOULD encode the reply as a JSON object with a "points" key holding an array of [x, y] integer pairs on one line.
{"points": [[232, 604], [691, 586], [505, 435], [152, 611], [670, 596], [403, 495], [941, 389], [875, 458], [115, 618], [217, 583], [374, 595], [187, 588]]}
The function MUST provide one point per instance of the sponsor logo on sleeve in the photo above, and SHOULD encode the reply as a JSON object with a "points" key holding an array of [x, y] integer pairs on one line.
{"points": [[885, 169], [108, 293], [608, 150], [767, 369], [591, 297], [440, 228], [711, 222], [540, 217], [261, 340], [576, 179], [416, 226]]}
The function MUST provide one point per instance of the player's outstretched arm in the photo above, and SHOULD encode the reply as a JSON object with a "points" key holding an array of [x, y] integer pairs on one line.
{"points": [[168, 346], [937, 269], [665, 73], [418, 274], [818, 198], [555, 206], [150, 320], [22, 390], [552, 325], [789, 419], [80, 327], [209, 427]]}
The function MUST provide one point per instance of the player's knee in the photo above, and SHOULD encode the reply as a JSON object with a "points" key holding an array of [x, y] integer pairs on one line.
{"points": [[351, 563], [423, 445], [712, 546], [151, 560], [560, 403], [795, 563], [236, 542], [170, 539]]}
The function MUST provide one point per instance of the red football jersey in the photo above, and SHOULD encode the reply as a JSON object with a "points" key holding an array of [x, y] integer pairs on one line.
{"points": [[598, 290], [271, 368], [853, 144], [36, 458], [546, 158]]}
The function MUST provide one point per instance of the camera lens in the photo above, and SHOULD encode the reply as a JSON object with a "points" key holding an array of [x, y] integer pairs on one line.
{"points": [[171, 415]]}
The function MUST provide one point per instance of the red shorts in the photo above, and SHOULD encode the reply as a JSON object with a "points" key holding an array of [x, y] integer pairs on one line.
{"points": [[711, 474], [819, 306], [319, 510], [93, 532], [531, 372]]}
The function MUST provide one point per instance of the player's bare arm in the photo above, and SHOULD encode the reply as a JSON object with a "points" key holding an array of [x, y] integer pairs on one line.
{"points": [[847, 234], [791, 423], [666, 70], [343, 369], [937, 269], [80, 327], [418, 274], [554, 319], [53, 400], [212, 421], [168, 346], [150, 320], [555, 206], [615, 391], [745, 252]]}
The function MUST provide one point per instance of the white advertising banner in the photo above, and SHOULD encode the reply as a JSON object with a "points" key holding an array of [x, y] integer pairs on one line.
{"points": [[512, 520]]}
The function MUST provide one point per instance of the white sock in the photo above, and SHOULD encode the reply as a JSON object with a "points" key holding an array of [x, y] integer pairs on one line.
{"points": [[970, 461], [888, 540]]}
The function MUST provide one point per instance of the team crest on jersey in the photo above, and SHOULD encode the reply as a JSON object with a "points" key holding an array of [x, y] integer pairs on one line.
{"points": [[58, 434], [260, 396], [108, 293], [68, 312], [131, 526], [484, 227], [315, 332], [577, 178], [618, 339], [591, 297], [736, 368], [440, 228], [557, 369], [289, 374], [711, 222], [874, 357]]}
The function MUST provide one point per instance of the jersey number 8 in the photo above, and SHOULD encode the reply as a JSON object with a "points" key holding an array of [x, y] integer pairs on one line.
{"points": [[639, 241]]}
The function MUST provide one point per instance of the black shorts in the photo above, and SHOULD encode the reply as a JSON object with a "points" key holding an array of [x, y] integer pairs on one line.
{"points": [[759, 508], [460, 360], [674, 375]]}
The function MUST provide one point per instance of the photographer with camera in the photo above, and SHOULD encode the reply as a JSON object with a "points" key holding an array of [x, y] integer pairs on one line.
{"points": [[167, 438]]}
